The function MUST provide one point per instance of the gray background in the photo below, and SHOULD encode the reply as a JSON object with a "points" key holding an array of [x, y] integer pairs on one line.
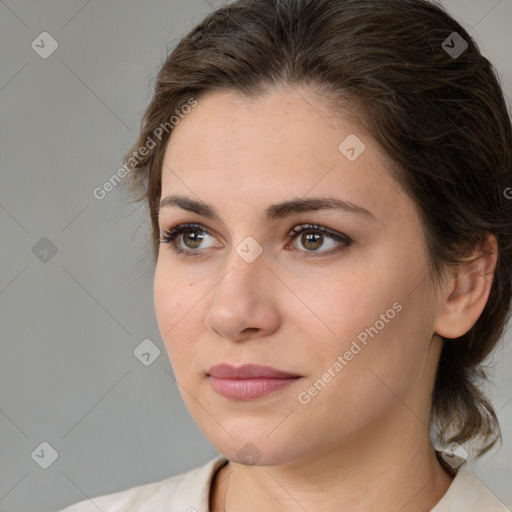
{"points": [[70, 325]]}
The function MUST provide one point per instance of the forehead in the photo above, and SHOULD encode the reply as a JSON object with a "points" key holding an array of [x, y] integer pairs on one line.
{"points": [[281, 145], [283, 121]]}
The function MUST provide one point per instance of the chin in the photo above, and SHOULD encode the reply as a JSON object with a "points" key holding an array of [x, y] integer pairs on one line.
{"points": [[256, 443], [257, 454]]}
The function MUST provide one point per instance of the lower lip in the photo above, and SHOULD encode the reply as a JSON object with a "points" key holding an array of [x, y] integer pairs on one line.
{"points": [[248, 389]]}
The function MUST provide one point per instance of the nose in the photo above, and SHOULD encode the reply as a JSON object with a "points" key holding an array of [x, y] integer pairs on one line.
{"points": [[244, 301]]}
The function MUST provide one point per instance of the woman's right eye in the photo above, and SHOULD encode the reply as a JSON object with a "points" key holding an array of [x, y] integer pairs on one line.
{"points": [[186, 239]]}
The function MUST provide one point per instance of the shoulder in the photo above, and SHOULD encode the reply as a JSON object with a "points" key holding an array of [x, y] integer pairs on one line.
{"points": [[467, 492], [187, 491]]}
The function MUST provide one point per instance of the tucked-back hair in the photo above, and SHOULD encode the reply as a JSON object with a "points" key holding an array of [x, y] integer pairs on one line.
{"points": [[394, 67]]}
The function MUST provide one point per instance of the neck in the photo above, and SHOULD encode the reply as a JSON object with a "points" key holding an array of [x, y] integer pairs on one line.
{"points": [[388, 473]]}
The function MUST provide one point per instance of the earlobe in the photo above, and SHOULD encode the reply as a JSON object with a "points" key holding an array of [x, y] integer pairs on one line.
{"points": [[467, 291]]}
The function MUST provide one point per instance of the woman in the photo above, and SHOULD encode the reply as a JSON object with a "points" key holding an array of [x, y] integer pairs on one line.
{"points": [[327, 181]]}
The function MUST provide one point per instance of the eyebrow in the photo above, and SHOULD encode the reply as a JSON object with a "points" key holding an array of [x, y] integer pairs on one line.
{"points": [[274, 211]]}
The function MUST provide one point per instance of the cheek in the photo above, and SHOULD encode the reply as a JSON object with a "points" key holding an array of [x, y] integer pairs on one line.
{"points": [[174, 301], [165, 301], [370, 315], [347, 303]]}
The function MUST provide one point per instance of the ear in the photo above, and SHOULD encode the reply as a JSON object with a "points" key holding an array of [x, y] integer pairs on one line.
{"points": [[466, 291]]}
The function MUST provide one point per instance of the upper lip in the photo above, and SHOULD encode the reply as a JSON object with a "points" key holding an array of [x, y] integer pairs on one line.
{"points": [[248, 371]]}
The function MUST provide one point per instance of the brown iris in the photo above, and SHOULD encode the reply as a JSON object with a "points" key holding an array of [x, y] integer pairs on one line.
{"points": [[192, 239], [311, 241]]}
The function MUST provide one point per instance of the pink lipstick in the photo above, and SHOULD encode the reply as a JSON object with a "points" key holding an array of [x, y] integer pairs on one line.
{"points": [[249, 381]]}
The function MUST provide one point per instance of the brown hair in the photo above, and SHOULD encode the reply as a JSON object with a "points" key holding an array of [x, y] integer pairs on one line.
{"points": [[441, 117]]}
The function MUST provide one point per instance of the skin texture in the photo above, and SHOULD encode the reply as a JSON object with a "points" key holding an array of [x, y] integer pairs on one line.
{"points": [[362, 442]]}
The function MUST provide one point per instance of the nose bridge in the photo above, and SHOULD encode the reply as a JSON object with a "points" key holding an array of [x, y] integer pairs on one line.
{"points": [[243, 278], [241, 297]]}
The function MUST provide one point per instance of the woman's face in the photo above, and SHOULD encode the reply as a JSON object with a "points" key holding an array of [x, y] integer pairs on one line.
{"points": [[348, 311]]}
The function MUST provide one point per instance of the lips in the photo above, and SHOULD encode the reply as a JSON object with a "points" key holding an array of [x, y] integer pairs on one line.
{"points": [[248, 371], [249, 381]]}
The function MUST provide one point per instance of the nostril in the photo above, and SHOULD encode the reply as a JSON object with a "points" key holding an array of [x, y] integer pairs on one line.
{"points": [[248, 330]]}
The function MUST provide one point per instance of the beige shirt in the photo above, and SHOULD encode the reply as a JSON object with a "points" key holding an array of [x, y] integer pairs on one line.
{"points": [[189, 492]]}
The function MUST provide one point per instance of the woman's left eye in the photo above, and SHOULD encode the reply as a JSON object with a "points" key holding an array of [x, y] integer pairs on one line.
{"points": [[313, 238]]}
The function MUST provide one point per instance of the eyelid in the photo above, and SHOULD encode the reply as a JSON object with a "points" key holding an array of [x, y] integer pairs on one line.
{"points": [[300, 228], [171, 234]]}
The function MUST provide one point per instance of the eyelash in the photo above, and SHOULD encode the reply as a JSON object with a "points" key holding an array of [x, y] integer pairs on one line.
{"points": [[172, 234]]}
